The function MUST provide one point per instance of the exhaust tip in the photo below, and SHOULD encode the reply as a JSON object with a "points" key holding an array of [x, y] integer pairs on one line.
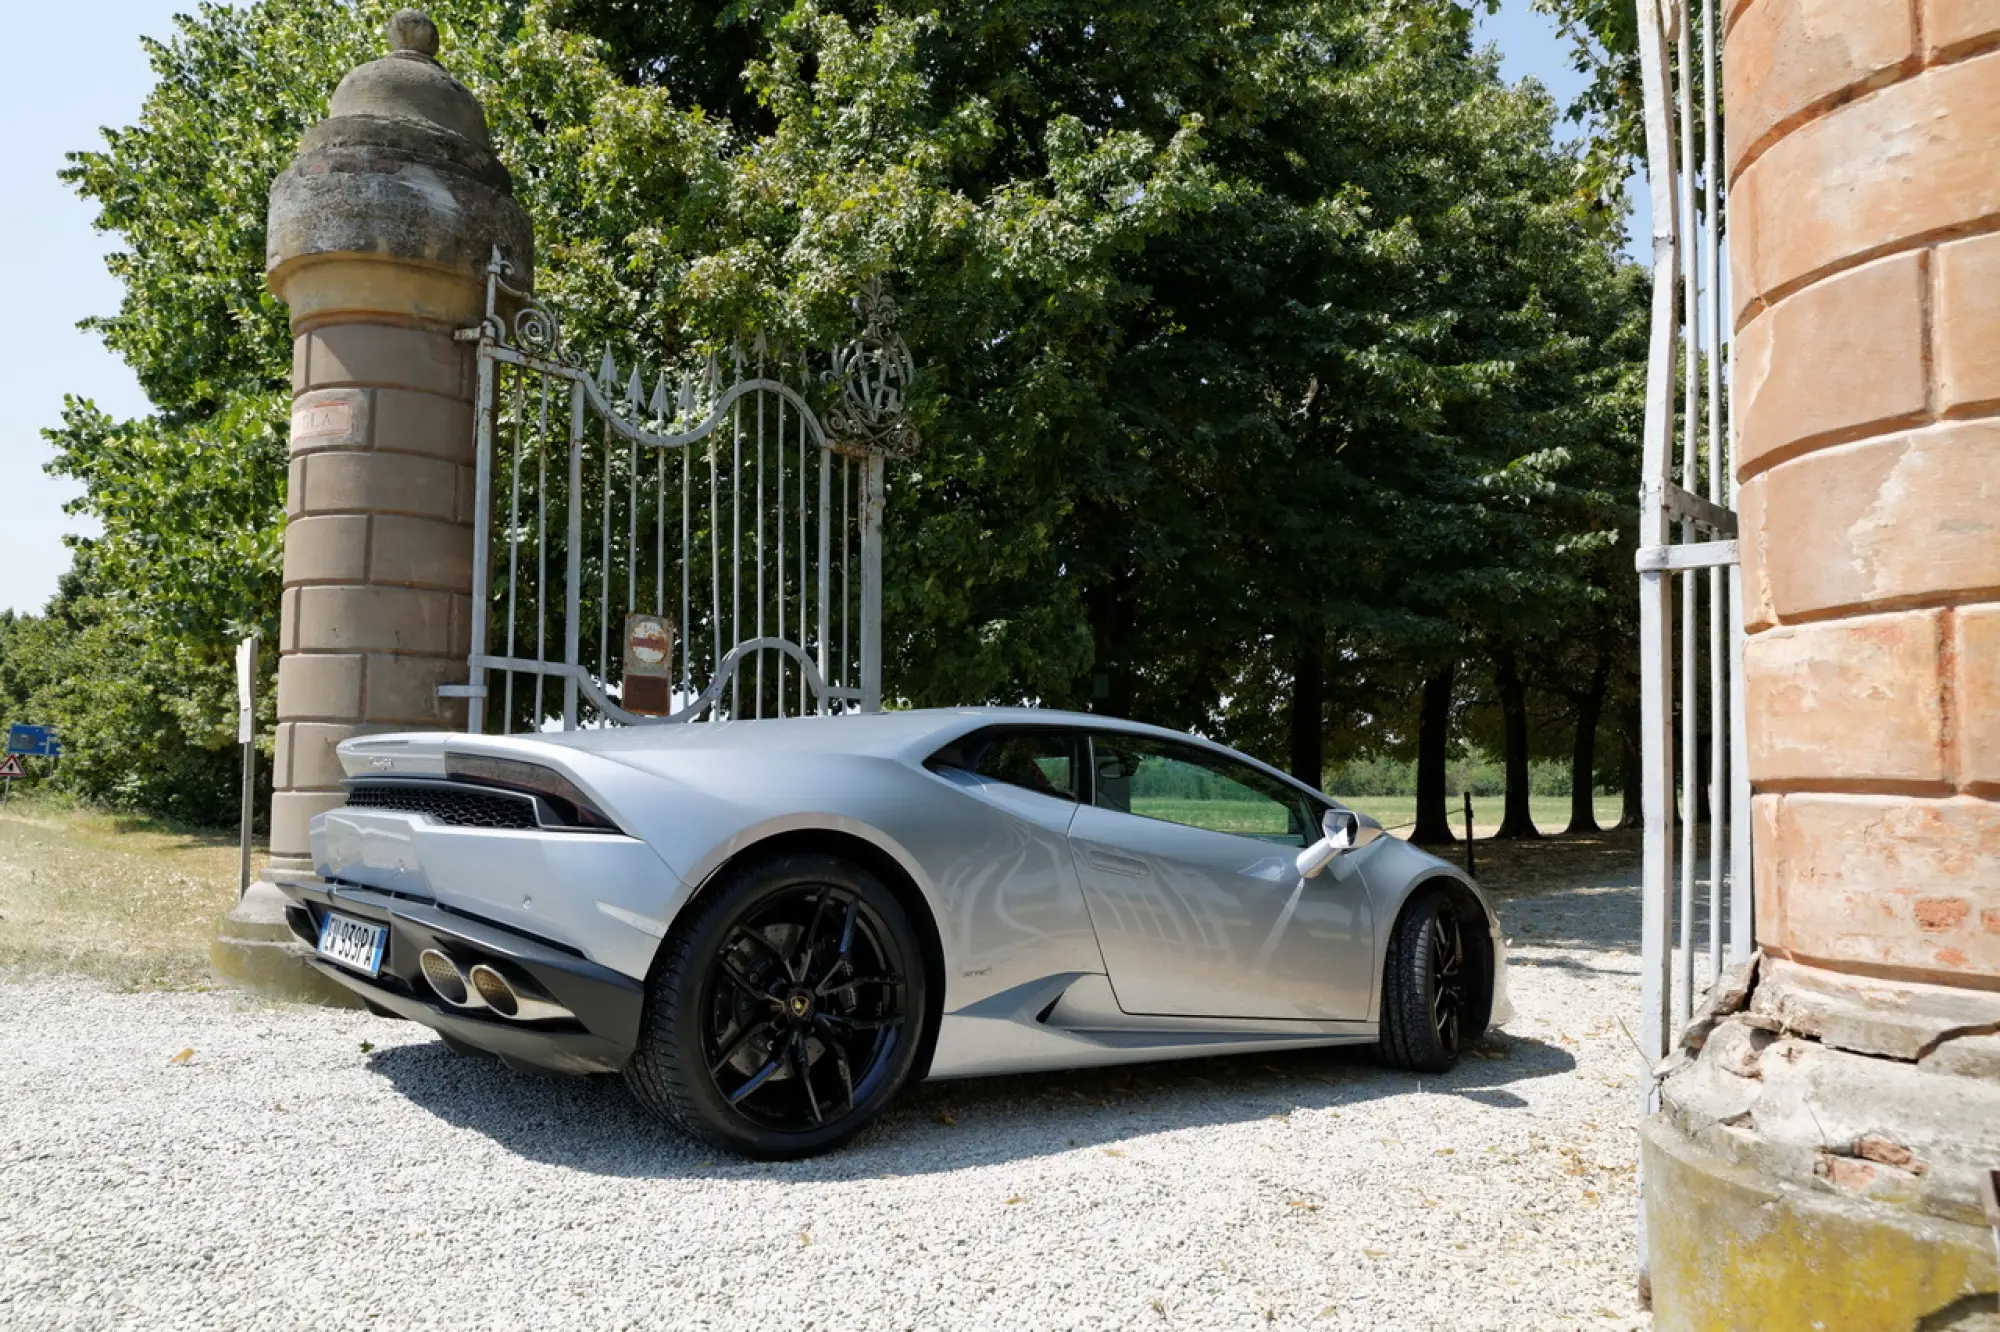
{"points": [[495, 989], [444, 977]]}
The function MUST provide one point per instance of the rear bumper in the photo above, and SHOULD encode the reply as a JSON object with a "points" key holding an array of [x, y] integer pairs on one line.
{"points": [[607, 1004]]}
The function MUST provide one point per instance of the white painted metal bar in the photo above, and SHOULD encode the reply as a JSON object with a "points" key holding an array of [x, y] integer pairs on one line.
{"points": [[1655, 595], [1689, 587], [541, 544], [514, 546], [1655, 590], [573, 585], [736, 543], [846, 560], [1742, 868], [686, 635], [1718, 729], [825, 568], [758, 710], [714, 543], [482, 530], [803, 605], [1685, 556], [604, 559], [874, 495], [779, 451]]}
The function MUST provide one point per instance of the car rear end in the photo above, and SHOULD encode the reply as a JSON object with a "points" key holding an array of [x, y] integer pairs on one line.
{"points": [[482, 886]]}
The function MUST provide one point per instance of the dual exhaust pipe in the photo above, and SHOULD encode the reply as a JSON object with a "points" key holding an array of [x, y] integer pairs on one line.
{"points": [[484, 986]]}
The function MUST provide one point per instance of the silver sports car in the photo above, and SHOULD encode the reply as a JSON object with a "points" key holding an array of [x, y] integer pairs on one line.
{"points": [[771, 926]]}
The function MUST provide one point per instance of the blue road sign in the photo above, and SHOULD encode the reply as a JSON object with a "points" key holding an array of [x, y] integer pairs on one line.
{"points": [[34, 741]]}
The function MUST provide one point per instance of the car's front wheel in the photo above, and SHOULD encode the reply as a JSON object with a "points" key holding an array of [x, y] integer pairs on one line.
{"points": [[787, 1010], [1433, 1004]]}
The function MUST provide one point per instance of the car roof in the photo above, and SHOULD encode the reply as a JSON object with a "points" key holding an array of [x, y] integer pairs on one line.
{"points": [[911, 734]]}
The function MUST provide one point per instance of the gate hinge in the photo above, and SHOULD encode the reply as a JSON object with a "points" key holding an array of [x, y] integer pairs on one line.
{"points": [[462, 691], [1689, 507]]}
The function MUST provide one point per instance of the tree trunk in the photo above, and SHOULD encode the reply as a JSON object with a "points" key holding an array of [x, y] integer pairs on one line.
{"points": [[1583, 754], [1631, 776], [1516, 818], [1110, 606], [1308, 713], [1433, 742]]}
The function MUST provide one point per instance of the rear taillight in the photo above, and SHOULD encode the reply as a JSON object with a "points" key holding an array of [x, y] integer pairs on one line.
{"points": [[566, 801]]}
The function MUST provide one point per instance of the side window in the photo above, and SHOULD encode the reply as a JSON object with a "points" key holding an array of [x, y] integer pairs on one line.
{"points": [[1158, 779], [1034, 759]]}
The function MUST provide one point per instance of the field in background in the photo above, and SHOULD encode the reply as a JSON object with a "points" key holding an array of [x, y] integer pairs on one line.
{"points": [[131, 901], [1551, 812], [135, 902]]}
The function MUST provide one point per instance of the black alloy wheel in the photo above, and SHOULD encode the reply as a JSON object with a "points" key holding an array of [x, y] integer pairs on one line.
{"points": [[787, 1010], [1431, 1004], [1447, 945]]}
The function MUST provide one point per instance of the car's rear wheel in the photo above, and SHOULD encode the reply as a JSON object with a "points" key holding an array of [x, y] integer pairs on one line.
{"points": [[786, 1011], [1432, 1007]]}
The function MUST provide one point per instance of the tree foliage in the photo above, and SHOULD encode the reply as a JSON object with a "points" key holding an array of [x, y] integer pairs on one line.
{"points": [[1270, 355]]}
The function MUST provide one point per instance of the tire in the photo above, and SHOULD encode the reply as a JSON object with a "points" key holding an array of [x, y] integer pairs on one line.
{"points": [[786, 1010], [1432, 1007]]}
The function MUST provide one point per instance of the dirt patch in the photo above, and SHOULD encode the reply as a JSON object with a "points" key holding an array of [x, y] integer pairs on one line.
{"points": [[1551, 864]]}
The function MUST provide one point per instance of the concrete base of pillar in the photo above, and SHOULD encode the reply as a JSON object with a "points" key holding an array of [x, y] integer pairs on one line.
{"points": [[1730, 1247], [255, 950]]}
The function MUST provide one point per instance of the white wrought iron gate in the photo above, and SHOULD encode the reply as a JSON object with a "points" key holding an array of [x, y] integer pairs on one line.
{"points": [[697, 522], [1688, 545]]}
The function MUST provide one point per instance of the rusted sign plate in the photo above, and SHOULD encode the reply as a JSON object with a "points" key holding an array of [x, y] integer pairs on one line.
{"points": [[649, 665]]}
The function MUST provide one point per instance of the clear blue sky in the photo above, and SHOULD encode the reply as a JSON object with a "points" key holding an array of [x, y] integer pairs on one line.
{"points": [[53, 98]]}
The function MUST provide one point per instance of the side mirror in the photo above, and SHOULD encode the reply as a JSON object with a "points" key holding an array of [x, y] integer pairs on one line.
{"points": [[1343, 831]]}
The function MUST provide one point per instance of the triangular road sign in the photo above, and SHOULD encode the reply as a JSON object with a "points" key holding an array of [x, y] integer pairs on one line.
{"points": [[11, 766]]}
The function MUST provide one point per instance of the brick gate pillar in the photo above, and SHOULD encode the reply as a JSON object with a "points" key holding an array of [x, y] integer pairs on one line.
{"points": [[1859, 1092], [379, 237]]}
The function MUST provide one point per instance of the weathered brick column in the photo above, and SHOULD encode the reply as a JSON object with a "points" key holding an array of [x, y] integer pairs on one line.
{"points": [[1860, 1087], [379, 237]]}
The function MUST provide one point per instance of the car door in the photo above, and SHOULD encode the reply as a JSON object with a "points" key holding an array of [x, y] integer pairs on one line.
{"points": [[1186, 857]]}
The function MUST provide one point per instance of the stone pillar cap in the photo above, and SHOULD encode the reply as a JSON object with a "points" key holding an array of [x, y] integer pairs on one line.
{"points": [[407, 85], [401, 168]]}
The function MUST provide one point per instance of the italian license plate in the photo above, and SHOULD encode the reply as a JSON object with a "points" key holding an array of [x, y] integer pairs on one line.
{"points": [[353, 943]]}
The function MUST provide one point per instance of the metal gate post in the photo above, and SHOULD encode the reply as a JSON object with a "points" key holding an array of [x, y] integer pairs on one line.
{"points": [[1656, 720], [482, 528]]}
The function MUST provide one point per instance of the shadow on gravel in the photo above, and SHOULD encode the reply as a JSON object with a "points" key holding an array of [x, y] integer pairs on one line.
{"points": [[592, 1124]]}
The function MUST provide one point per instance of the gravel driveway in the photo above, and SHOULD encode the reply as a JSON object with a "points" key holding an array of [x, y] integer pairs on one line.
{"points": [[309, 1168]]}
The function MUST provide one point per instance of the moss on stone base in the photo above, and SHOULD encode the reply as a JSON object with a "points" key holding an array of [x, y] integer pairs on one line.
{"points": [[255, 950], [1729, 1247]]}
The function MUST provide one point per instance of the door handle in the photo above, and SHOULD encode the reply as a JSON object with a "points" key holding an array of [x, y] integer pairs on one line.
{"points": [[1130, 866]]}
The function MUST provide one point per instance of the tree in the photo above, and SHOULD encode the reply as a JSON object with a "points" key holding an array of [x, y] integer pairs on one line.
{"points": [[1236, 325]]}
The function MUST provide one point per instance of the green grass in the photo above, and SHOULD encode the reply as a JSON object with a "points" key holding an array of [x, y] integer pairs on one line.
{"points": [[1551, 813], [1259, 818]]}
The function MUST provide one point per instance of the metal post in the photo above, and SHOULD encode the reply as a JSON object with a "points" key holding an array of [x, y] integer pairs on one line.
{"points": [[573, 588], [482, 535], [872, 481], [825, 571], [246, 734], [1690, 582], [1469, 870], [1655, 593], [1718, 702]]}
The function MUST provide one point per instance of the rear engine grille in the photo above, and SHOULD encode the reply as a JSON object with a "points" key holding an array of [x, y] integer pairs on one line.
{"points": [[456, 805]]}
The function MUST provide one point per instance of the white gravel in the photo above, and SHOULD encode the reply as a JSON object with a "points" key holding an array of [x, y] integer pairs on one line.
{"points": [[309, 1168]]}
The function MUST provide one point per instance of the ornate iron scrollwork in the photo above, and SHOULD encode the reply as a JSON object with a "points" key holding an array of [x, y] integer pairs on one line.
{"points": [[870, 376]]}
